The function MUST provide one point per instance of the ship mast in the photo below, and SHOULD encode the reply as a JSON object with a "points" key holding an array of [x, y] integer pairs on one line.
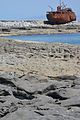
{"points": [[60, 2]]}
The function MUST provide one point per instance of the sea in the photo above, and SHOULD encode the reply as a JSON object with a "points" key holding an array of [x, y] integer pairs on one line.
{"points": [[73, 38]]}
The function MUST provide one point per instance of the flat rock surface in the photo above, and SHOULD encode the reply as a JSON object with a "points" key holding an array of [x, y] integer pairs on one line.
{"points": [[39, 81]]}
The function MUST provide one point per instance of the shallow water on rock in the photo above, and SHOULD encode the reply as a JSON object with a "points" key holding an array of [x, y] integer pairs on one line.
{"points": [[73, 38]]}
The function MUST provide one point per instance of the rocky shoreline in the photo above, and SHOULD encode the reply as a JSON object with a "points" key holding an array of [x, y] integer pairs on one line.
{"points": [[39, 81], [8, 28]]}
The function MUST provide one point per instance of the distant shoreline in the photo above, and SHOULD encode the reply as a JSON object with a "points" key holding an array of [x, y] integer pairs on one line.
{"points": [[10, 28]]}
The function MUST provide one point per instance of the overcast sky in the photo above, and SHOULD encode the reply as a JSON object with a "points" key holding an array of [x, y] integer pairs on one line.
{"points": [[32, 9]]}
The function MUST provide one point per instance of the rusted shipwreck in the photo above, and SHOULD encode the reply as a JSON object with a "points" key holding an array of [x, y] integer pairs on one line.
{"points": [[61, 16]]}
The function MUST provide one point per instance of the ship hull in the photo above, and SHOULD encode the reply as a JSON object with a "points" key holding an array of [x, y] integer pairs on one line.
{"points": [[60, 17]]}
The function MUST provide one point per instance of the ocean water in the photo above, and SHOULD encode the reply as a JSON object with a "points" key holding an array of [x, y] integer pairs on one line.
{"points": [[62, 38]]}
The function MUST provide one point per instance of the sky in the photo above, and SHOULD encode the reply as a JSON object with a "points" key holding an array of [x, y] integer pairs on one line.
{"points": [[32, 9]]}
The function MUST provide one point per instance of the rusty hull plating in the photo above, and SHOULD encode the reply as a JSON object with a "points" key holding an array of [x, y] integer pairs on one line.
{"points": [[61, 16]]}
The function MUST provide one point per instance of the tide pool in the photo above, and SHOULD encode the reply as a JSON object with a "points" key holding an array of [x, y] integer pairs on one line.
{"points": [[61, 38]]}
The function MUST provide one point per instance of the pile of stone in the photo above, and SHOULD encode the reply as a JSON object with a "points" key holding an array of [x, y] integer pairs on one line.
{"points": [[22, 24]]}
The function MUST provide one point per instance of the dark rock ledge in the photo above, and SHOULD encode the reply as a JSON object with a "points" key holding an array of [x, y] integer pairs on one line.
{"points": [[55, 100]]}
